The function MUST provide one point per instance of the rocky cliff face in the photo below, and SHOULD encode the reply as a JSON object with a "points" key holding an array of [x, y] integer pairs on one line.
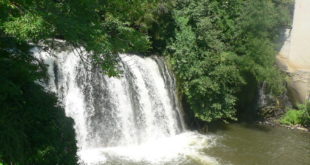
{"points": [[294, 57]]}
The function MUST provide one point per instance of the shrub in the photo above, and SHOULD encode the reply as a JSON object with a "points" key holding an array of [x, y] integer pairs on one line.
{"points": [[299, 116], [306, 115], [292, 117]]}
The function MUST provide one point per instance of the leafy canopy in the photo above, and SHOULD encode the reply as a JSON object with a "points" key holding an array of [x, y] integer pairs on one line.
{"points": [[104, 27]]}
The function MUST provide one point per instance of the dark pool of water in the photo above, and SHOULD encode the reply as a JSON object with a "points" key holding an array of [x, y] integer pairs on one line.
{"points": [[248, 144]]}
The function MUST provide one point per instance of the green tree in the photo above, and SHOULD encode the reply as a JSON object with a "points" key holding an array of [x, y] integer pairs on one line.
{"points": [[220, 45], [33, 127]]}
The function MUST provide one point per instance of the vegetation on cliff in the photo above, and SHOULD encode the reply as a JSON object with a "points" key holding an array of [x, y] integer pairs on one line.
{"points": [[220, 45]]}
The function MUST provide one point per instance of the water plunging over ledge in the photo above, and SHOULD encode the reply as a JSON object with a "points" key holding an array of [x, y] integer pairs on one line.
{"points": [[131, 119]]}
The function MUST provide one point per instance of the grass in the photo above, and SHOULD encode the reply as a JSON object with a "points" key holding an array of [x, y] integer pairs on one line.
{"points": [[292, 117], [300, 116]]}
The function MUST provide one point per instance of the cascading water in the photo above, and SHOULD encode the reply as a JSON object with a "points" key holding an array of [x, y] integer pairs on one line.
{"points": [[134, 118]]}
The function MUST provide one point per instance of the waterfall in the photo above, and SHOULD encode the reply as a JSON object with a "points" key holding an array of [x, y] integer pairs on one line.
{"points": [[138, 107]]}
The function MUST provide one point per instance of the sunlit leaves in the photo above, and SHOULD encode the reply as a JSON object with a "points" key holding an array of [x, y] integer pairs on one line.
{"points": [[27, 27]]}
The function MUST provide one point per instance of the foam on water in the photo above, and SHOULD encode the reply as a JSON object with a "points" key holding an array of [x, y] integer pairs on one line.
{"points": [[178, 149]]}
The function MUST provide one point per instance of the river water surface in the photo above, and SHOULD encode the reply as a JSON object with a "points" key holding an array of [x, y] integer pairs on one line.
{"points": [[245, 144]]}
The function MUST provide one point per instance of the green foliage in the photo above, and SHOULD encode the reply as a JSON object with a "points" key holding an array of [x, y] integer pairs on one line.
{"points": [[104, 28], [26, 26], [33, 128], [218, 44], [292, 117], [208, 80], [306, 116], [299, 116]]}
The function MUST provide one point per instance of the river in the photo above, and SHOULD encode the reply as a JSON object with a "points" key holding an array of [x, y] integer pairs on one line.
{"points": [[248, 144]]}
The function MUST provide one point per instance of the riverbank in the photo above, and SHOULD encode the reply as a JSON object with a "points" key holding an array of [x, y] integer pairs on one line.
{"points": [[289, 117], [276, 123]]}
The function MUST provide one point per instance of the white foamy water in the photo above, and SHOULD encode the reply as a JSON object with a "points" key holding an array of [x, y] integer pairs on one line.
{"points": [[184, 148], [132, 119]]}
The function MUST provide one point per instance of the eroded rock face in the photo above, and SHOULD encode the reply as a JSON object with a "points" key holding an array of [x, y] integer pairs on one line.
{"points": [[299, 86], [294, 57]]}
